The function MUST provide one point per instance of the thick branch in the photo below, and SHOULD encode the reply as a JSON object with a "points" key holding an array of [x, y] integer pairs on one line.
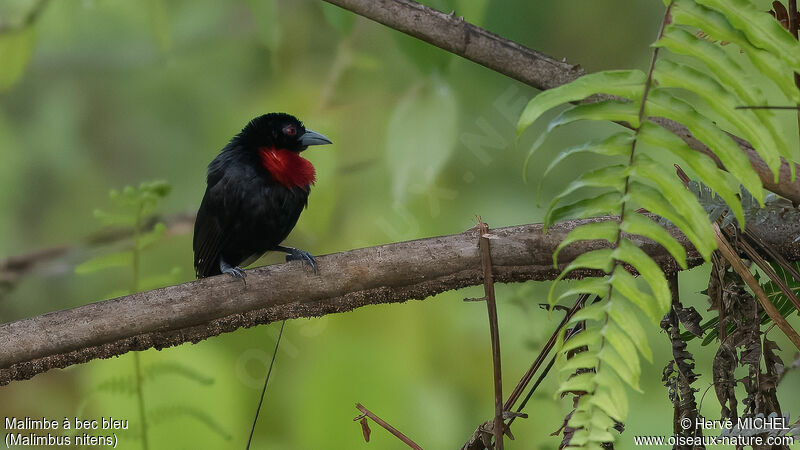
{"points": [[193, 311], [460, 37], [457, 36]]}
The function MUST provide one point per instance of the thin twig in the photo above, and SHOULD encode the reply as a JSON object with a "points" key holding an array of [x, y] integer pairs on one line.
{"points": [[793, 30], [397, 433], [477, 440], [539, 380], [755, 236], [767, 107], [266, 380], [14, 268], [738, 266], [548, 346], [726, 249], [683, 402], [570, 333], [491, 306], [769, 271]]}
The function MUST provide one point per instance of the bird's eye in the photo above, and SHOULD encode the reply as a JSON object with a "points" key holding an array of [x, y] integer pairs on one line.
{"points": [[290, 130]]}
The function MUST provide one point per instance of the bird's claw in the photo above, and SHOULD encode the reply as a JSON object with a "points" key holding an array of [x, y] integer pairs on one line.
{"points": [[235, 272], [295, 254]]}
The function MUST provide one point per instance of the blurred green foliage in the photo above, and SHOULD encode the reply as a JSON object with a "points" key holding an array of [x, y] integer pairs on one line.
{"points": [[133, 209], [117, 92]]}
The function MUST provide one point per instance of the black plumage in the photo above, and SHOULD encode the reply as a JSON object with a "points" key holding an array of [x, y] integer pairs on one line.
{"points": [[257, 187]]}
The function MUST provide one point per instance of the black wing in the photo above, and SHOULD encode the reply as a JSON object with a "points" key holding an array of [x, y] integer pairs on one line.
{"points": [[221, 204], [209, 238]]}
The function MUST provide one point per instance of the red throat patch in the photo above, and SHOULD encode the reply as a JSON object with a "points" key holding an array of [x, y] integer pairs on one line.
{"points": [[287, 167]]}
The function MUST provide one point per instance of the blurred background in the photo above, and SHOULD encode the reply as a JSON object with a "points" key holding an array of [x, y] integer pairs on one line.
{"points": [[99, 94]]}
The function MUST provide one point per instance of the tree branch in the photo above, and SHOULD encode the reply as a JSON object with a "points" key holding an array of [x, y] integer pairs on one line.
{"points": [[14, 268], [194, 311], [457, 36], [460, 37]]}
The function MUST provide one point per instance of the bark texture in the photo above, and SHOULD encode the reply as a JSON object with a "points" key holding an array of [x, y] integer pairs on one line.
{"points": [[390, 273]]}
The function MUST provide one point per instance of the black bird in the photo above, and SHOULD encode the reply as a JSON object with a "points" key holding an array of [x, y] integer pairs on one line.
{"points": [[257, 187]]}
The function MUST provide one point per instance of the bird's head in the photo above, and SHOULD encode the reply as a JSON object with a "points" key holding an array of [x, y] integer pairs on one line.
{"points": [[280, 131]]}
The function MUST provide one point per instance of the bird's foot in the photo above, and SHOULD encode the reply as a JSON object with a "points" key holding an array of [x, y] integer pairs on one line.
{"points": [[295, 254], [235, 272]]}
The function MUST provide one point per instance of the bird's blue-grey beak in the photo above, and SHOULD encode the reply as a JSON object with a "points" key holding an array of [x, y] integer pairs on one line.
{"points": [[311, 137]]}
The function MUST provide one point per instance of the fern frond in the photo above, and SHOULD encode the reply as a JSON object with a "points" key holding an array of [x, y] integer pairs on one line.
{"points": [[166, 413], [162, 368], [604, 357], [118, 385]]}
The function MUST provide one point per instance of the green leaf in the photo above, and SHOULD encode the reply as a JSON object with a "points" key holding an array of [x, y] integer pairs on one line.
{"points": [[733, 78], [648, 269], [579, 419], [611, 357], [623, 315], [718, 180], [607, 177], [600, 420], [606, 110], [623, 345], [625, 283], [671, 75], [577, 383], [600, 259], [607, 203], [610, 396], [16, 50], [421, 137], [153, 236], [625, 83], [716, 25], [108, 218], [583, 360], [589, 285], [156, 188], [661, 103], [579, 438], [760, 28], [652, 200], [618, 144], [605, 230], [587, 337], [596, 312], [340, 19], [168, 411], [161, 368], [117, 385], [636, 223], [600, 435], [106, 261], [677, 195], [725, 68]]}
